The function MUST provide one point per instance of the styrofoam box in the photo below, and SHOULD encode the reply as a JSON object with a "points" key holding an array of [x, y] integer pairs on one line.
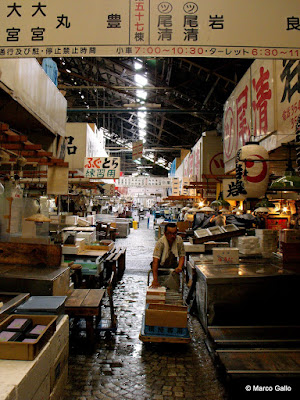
{"points": [[89, 237], [266, 232], [91, 219], [82, 222], [71, 219], [249, 245], [225, 255], [70, 249]]}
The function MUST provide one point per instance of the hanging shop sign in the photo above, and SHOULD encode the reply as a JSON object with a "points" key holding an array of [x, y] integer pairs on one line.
{"points": [[57, 180], [109, 189], [102, 167], [137, 149], [264, 105], [142, 181], [218, 28], [288, 98]]}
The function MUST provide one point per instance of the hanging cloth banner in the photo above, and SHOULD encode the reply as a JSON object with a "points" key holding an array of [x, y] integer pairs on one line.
{"points": [[218, 28], [137, 149]]}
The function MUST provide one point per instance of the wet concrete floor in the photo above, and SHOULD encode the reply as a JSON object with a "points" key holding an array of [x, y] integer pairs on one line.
{"points": [[123, 367]]}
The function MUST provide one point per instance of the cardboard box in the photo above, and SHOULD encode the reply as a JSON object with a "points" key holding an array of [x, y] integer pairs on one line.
{"points": [[155, 300], [159, 291], [59, 366], [289, 236], [8, 392], [225, 255], [58, 391], [22, 380], [166, 315], [43, 391]]}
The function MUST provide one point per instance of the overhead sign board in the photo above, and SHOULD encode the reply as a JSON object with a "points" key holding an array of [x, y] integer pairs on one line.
{"points": [[137, 149], [102, 167], [215, 28]]}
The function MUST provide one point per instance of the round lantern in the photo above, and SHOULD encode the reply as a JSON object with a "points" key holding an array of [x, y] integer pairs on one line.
{"points": [[252, 170]]}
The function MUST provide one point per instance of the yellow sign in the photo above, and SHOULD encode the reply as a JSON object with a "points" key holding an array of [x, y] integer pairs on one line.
{"points": [[215, 28]]}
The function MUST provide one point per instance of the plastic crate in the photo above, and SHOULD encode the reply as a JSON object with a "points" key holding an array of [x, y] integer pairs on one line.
{"points": [[165, 331]]}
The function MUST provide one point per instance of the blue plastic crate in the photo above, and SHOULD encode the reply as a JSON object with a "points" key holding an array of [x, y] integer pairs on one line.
{"points": [[165, 331]]}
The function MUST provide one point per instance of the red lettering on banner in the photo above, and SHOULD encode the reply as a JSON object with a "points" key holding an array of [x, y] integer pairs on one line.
{"points": [[260, 106], [229, 129], [243, 130]]}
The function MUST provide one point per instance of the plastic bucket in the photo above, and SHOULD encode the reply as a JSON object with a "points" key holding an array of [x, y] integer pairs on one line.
{"points": [[135, 224]]}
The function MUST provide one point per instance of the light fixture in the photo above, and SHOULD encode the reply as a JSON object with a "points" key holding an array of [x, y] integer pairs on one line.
{"points": [[140, 80], [206, 209], [220, 202], [265, 202], [289, 182], [262, 210]]}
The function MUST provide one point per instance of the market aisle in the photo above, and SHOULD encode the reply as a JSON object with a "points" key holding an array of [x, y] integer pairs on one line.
{"points": [[125, 368]]}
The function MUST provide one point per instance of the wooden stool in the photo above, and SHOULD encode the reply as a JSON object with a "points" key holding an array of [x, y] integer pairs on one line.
{"points": [[86, 303], [76, 274]]}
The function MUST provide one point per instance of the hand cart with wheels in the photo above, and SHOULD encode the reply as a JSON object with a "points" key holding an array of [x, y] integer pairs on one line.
{"points": [[168, 322]]}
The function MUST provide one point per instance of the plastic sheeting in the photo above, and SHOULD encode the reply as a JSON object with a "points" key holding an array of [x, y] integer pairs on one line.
{"points": [[28, 84]]}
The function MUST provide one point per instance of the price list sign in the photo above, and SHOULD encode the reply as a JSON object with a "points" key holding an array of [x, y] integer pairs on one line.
{"points": [[215, 28]]}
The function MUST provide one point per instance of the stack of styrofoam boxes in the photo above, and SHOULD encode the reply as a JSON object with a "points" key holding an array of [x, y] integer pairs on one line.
{"points": [[268, 240], [156, 295], [249, 245], [43, 378], [225, 255]]}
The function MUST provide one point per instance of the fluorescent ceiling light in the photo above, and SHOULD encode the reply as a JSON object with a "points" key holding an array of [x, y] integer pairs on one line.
{"points": [[142, 124], [140, 80], [142, 115], [142, 133], [138, 65], [142, 94]]}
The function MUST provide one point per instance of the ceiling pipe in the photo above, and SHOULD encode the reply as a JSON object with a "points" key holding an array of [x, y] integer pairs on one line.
{"points": [[129, 110]]}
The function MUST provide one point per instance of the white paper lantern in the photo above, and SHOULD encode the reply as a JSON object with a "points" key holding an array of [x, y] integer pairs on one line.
{"points": [[252, 175]]}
